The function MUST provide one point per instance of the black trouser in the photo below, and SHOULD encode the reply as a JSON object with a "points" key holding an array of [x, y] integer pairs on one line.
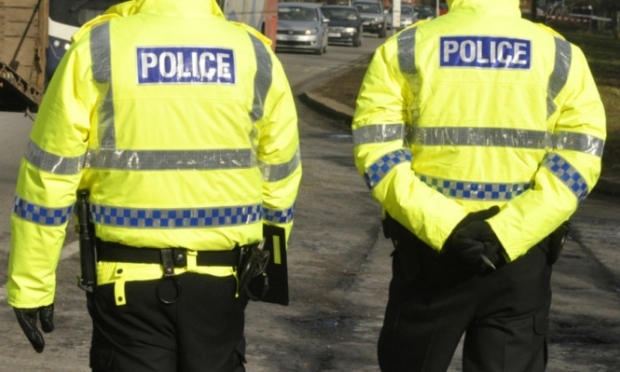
{"points": [[201, 331], [433, 301]]}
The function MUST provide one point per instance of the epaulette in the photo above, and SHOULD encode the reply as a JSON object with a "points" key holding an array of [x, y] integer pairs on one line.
{"points": [[253, 31], [549, 30], [418, 23], [86, 27], [123, 9]]}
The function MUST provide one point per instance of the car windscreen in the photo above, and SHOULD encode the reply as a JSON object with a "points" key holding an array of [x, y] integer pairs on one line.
{"points": [[406, 10], [424, 12], [292, 13], [340, 14], [368, 7]]}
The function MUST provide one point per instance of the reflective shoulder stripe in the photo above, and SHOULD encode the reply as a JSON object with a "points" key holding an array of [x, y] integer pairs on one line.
{"points": [[277, 172], [279, 215], [472, 190], [568, 174], [558, 77], [170, 159], [100, 52], [496, 137], [102, 67], [51, 163], [377, 171], [406, 51], [377, 133], [263, 78], [40, 214], [175, 218], [579, 142]]}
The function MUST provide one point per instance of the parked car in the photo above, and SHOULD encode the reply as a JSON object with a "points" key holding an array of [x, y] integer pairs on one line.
{"points": [[407, 16], [423, 12], [345, 24], [373, 18], [443, 9], [302, 27]]}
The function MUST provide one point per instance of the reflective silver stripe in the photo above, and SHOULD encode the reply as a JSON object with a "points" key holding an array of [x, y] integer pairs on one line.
{"points": [[40, 214], [277, 172], [579, 142], [558, 77], [170, 160], [53, 163], [382, 166], [406, 51], [100, 52], [377, 133], [279, 215], [263, 78], [498, 137], [101, 60], [568, 175], [177, 217], [472, 190]]}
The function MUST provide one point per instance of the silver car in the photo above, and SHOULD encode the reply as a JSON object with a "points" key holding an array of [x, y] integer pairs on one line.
{"points": [[407, 16], [301, 26]]}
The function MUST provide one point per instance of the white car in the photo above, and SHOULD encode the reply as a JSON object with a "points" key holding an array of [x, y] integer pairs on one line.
{"points": [[301, 26]]}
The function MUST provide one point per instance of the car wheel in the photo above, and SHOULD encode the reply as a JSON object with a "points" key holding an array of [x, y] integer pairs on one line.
{"points": [[318, 51], [357, 42]]}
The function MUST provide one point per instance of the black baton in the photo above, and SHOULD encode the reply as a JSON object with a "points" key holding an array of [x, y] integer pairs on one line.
{"points": [[87, 249]]}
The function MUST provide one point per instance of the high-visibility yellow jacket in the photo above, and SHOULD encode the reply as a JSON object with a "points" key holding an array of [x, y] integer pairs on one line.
{"points": [[476, 108], [183, 127]]}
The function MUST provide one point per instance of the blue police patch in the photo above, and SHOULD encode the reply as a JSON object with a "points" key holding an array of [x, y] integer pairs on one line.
{"points": [[185, 65], [485, 52]]}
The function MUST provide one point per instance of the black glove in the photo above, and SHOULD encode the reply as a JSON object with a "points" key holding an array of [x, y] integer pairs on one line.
{"points": [[482, 215], [477, 245], [27, 319], [474, 242]]}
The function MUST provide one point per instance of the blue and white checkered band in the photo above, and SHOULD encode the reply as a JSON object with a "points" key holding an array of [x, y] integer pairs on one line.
{"points": [[174, 65], [568, 175], [176, 218], [279, 216], [40, 214], [375, 173], [485, 52], [471, 190]]}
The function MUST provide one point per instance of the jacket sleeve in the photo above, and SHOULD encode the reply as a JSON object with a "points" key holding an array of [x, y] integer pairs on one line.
{"points": [[569, 170], [383, 156], [49, 175], [278, 150]]}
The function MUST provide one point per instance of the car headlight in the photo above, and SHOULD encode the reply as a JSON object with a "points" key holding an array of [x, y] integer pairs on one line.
{"points": [[350, 30], [312, 31], [378, 19]]}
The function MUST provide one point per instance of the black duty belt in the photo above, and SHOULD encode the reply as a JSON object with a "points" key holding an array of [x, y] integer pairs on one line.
{"points": [[116, 252]]}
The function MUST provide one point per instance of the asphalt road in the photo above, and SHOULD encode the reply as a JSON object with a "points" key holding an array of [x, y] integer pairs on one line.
{"points": [[339, 265]]}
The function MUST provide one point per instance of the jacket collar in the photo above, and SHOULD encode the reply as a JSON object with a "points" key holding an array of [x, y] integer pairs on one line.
{"points": [[495, 6], [184, 8]]}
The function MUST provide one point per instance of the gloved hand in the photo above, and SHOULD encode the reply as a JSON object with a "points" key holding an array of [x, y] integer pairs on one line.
{"points": [[477, 245], [482, 215], [474, 242], [27, 319]]}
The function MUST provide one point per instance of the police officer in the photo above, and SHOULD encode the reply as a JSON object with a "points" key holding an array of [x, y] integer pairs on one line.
{"points": [[182, 127], [480, 133]]}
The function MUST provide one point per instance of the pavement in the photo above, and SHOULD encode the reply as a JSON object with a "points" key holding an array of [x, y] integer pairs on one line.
{"points": [[584, 330], [606, 185]]}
